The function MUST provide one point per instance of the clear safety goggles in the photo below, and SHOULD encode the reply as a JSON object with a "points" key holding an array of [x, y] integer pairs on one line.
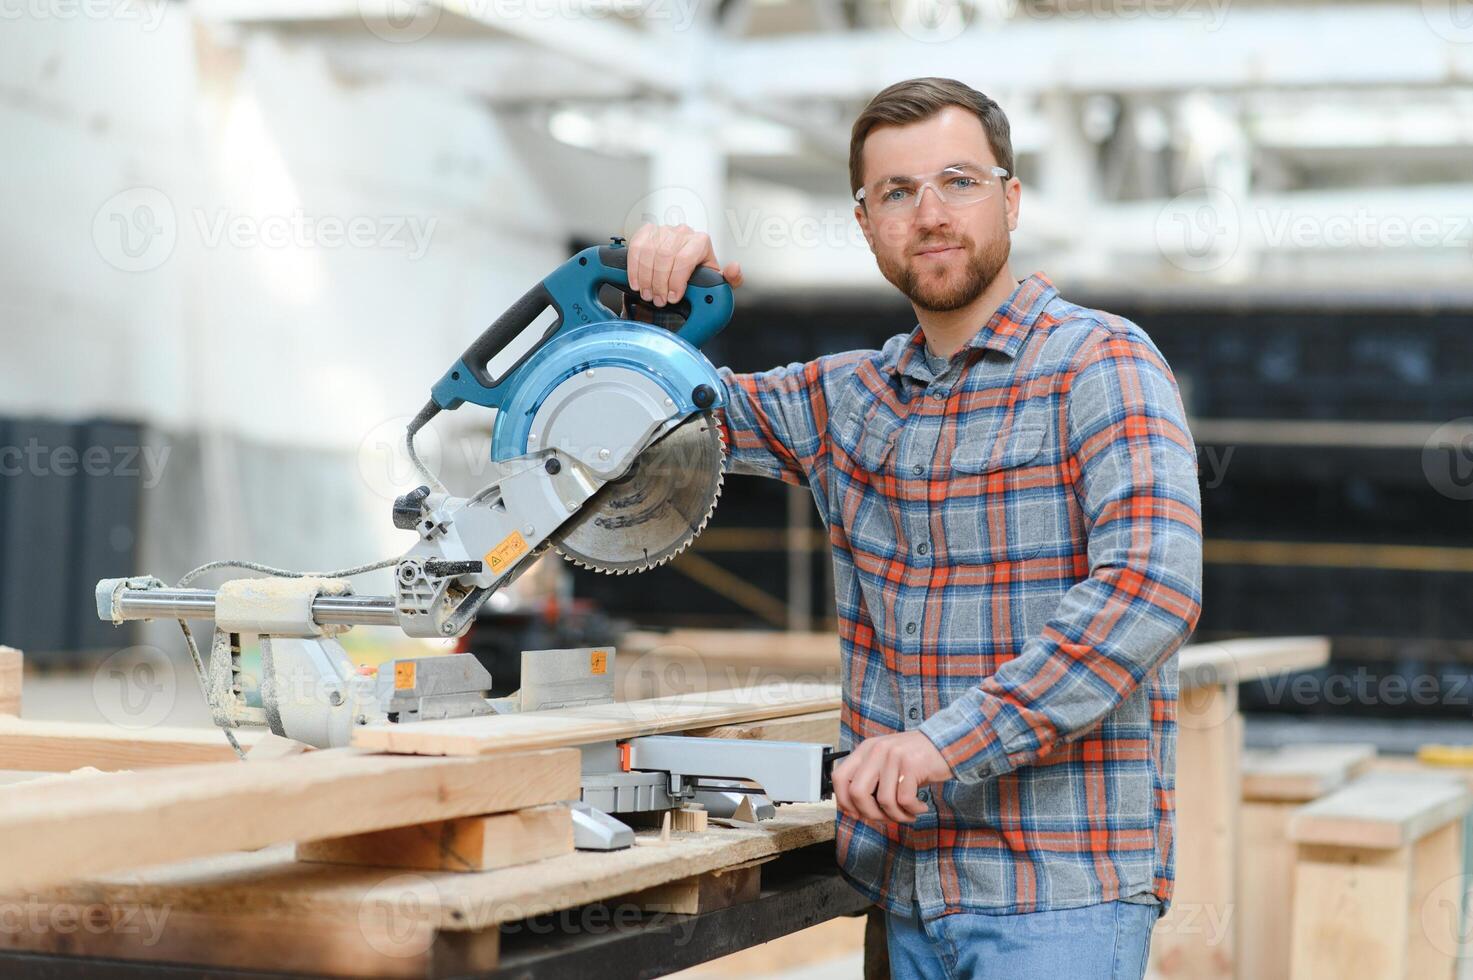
{"points": [[956, 187]]}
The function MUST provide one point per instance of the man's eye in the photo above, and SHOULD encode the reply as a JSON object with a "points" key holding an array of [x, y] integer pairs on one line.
{"points": [[896, 194], [963, 183]]}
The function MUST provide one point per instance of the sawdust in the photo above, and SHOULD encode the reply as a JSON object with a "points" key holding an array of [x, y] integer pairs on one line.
{"points": [[276, 606]]}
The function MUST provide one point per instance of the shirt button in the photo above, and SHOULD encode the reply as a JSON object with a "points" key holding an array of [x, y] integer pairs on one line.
{"points": [[922, 548], [938, 392], [924, 795], [913, 713], [910, 627], [918, 469]]}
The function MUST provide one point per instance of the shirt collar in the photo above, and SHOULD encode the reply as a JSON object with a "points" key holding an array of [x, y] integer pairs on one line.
{"points": [[1004, 331]]}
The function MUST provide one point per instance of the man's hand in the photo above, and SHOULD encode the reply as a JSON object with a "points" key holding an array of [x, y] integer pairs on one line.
{"points": [[662, 259], [878, 780]]}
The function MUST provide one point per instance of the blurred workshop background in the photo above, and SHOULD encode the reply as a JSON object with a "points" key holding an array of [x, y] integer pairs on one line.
{"points": [[241, 238]]}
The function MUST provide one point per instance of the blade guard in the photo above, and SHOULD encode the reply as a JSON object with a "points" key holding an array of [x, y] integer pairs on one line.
{"points": [[687, 377], [572, 291]]}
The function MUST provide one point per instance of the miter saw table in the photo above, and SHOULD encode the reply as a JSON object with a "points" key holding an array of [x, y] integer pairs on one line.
{"points": [[604, 447]]}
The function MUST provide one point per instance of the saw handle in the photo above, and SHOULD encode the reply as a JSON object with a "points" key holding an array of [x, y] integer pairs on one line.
{"points": [[572, 291], [705, 306], [504, 330]]}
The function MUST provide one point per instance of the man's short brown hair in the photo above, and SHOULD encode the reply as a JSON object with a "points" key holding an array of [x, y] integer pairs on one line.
{"points": [[916, 99]]}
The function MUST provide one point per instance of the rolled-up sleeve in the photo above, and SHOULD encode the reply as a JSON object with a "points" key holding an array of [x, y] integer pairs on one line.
{"points": [[1134, 468]]}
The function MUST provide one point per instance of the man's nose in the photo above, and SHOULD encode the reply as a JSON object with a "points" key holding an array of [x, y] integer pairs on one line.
{"points": [[930, 209]]}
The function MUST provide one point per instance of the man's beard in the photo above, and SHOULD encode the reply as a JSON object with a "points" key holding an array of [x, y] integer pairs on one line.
{"points": [[937, 294]]}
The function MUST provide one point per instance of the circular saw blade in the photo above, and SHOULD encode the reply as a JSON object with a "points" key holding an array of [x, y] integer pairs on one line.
{"points": [[653, 512]]}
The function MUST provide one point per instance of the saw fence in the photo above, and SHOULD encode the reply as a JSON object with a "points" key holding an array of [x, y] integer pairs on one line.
{"points": [[441, 849]]}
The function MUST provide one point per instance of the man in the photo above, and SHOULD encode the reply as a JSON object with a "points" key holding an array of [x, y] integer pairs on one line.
{"points": [[1010, 491]]}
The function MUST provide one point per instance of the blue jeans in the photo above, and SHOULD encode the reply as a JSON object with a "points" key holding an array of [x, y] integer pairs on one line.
{"points": [[1108, 941]]}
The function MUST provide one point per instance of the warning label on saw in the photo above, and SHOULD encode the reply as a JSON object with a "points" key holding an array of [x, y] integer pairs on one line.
{"points": [[404, 675], [501, 557], [598, 662]]}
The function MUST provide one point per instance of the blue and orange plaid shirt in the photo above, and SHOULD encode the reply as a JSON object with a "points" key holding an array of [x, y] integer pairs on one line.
{"points": [[1017, 551]]}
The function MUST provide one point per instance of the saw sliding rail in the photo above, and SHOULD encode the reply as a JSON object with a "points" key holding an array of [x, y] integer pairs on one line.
{"points": [[327, 610]]}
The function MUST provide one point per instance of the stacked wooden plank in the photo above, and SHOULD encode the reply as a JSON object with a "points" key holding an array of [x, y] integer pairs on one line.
{"points": [[410, 832], [355, 861]]}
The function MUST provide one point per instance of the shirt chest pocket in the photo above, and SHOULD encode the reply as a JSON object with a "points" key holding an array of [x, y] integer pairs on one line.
{"points": [[1002, 503], [873, 438]]}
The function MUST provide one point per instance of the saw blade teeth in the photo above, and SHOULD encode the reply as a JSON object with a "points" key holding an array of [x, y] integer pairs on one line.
{"points": [[605, 555]]}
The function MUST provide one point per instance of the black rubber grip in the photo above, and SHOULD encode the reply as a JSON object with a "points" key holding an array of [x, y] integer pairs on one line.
{"points": [[618, 258], [506, 329]]}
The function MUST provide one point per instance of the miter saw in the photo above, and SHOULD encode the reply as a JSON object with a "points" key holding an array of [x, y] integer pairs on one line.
{"points": [[603, 447]]}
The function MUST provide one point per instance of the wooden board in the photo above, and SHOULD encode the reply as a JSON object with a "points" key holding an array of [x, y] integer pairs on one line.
{"points": [[64, 830], [1379, 913], [1231, 661], [60, 746], [700, 893], [790, 650], [373, 946], [12, 667], [818, 726], [576, 726], [1382, 810], [1197, 938], [483, 843], [1265, 890], [270, 882], [1299, 773]]}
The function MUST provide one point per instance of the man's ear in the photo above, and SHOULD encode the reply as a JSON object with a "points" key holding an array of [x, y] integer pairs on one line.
{"points": [[863, 219], [1014, 199]]}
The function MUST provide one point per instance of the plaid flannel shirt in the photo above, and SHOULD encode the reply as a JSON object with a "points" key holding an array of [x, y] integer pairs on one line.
{"points": [[1017, 558]]}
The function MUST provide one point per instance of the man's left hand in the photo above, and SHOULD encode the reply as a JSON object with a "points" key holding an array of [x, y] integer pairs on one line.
{"points": [[878, 780]]}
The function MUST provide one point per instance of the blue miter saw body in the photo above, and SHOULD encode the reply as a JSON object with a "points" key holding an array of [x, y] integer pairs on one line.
{"points": [[603, 444]]}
